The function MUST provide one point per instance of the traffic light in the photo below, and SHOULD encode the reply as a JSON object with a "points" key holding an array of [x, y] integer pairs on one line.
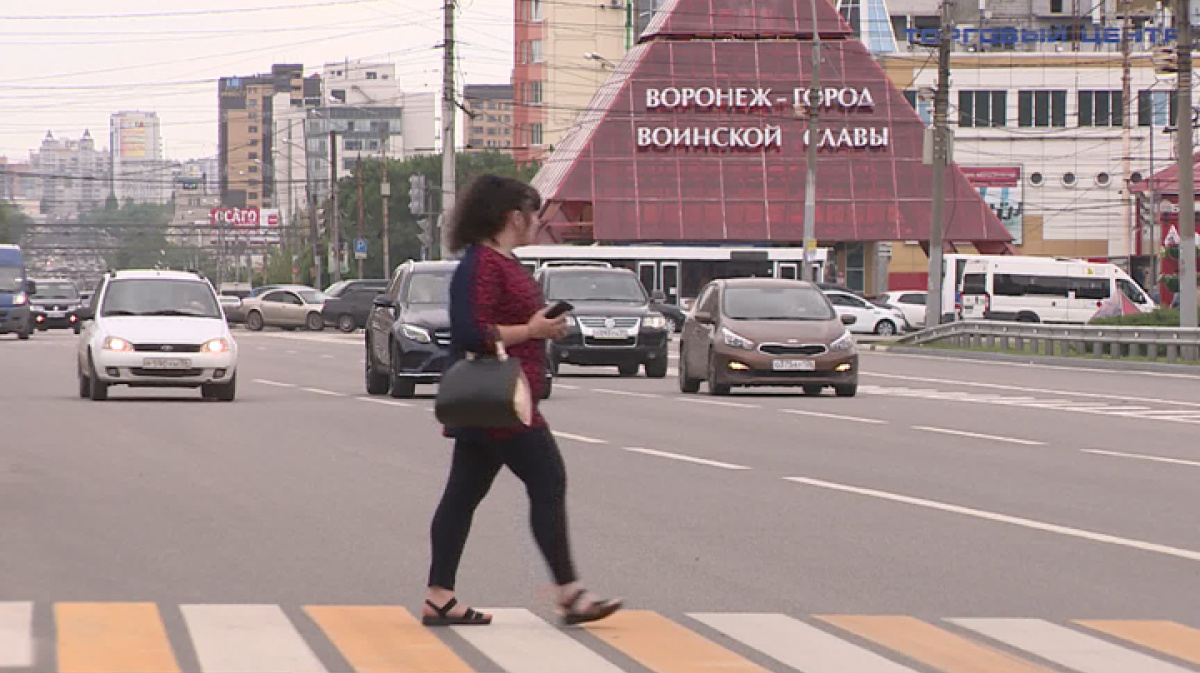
{"points": [[416, 194], [1166, 60]]}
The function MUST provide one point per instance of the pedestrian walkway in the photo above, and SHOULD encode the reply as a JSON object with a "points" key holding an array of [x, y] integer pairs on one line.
{"points": [[154, 638]]}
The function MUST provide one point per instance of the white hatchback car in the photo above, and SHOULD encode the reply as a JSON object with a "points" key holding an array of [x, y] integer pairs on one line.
{"points": [[156, 329]]}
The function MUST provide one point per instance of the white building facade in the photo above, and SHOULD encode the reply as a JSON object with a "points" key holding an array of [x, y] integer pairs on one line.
{"points": [[139, 173]]}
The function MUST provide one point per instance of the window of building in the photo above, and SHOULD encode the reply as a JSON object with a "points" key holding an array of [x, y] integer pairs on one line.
{"points": [[982, 109], [535, 134], [535, 10], [1042, 108], [477, 130], [924, 108], [491, 130], [1101, 108], [372, 75], [352, 145], [252, 116], [1056, 6], [251, 103], [535, 51], [1156, 108], [253, 155], [253, 169], [252, 196], [372, 144], [253, 129], [254, 142], [535, 94]]}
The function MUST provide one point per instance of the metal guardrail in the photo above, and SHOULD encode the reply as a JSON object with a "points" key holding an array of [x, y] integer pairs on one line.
{"points": [[1155, 344]]}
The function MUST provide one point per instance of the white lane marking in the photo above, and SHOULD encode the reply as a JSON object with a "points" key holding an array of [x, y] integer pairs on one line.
{"points": [[718, 403], [1042, 391], [577, 438], [976, 435], [625, 393], [1142, 456], [1036, 365], [1188, 554], [517, 640], [686, 459], [320, 391], [261, 348], [16, 635], [1066, 406], [1165, 413], [275, 384], [247, 639], [1113, 411], [293, 352], [310, 339], [798, 645], [390, 403], [836, 417], [1068, 648], [326, 356], [564, 386]]}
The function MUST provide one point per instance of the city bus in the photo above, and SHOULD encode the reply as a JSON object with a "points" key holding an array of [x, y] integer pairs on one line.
{"points": [[680, 272]]}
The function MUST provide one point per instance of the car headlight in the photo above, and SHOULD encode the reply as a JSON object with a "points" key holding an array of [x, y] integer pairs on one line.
{"points": [[216, 346], [417, 334], [655, 321], [21, 299], [842, 343], [736, 340], [117, 344]]}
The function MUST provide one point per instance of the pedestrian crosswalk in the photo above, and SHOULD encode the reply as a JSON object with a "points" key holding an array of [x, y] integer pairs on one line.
{"points": [[1180, 414], [222, 638]]}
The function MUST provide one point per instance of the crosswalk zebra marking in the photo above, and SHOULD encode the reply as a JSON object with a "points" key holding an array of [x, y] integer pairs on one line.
{"points": [[385, 639], [1072, 649], [248, 639], [520, 642], [16, 635], [1170, 638], [113, 638], [664, 646], [798, 645]]}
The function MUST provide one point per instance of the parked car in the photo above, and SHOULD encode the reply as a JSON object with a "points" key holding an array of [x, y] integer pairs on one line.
{"points": [[288, 307], [901, 319], [767, 332], [910, 302], [55, 305], [349, 303], [156, 329], [869, 318], [231, 306], [612, 324], [675, 315]]}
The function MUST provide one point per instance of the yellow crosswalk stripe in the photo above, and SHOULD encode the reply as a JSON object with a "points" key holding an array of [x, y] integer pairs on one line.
{"points": [[663, 646], [1170, 638], [112, 638], [931, 645], [385, 639]]}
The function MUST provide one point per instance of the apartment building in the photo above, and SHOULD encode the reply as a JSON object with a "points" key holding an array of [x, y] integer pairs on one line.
{"points": [[488, 117]]}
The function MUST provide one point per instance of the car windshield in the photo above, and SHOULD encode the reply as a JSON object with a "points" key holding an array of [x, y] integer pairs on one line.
{"points": [[56, 290], [430, 288], [579, 287], [10, 278], [160, 298], [784, 303]]}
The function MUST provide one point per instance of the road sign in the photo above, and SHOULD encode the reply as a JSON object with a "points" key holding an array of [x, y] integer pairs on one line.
{"points": [[360, 248]]}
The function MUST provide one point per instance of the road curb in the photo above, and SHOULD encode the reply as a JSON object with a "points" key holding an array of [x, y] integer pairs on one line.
{"points": [[1091, 363]]}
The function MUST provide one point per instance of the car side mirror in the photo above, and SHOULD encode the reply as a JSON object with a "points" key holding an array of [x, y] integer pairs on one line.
{"points": [[384, 301], [658, 296], [30, 288], [849, 319], [703, 317]]}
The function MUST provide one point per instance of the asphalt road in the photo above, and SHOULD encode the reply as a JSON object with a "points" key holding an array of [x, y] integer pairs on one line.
{"points": [[763, 531]]}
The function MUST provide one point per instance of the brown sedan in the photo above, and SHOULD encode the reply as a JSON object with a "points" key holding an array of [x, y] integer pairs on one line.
{"points": [[766, 332]]}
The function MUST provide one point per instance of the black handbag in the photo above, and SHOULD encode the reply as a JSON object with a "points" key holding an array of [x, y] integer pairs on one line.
{"points": [[485, 391]]}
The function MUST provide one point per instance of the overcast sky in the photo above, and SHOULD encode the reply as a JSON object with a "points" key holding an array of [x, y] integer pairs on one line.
{"points": [[66, 65]]}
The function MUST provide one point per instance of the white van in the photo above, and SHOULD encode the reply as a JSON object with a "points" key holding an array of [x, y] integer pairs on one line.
{"points": [[1041, 289]]}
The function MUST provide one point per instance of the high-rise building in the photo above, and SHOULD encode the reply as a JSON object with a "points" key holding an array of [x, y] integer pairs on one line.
{"points": [[73, 176], [139, 173], [488, 118], [559, 66], [247, 111]]}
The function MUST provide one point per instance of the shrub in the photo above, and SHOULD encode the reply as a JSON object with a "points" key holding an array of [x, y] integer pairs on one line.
{"points": [[1162, 317]]}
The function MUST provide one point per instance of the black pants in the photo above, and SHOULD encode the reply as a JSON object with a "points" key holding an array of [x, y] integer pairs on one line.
{"points": [[533, 456]]}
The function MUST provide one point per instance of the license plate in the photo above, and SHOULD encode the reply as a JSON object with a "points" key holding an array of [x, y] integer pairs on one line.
{"points": [[166, 363], [793, 365], [57, 314], [610, 334]]}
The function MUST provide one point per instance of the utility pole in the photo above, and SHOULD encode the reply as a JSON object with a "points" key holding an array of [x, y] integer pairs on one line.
{"points": [[316, 241], [1126, 125], [941, 142], [814, 141], [358, 177], [385, 195], [334, 219], [448, 129], [291, 201], [1187, 186]]}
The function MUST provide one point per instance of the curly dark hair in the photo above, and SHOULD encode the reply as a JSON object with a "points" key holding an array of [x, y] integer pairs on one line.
{"points": [[481, 212]]}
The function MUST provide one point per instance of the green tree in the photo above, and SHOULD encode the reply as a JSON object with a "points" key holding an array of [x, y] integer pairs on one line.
{"points": [[137, 234], [404, 228], [13, 224]]}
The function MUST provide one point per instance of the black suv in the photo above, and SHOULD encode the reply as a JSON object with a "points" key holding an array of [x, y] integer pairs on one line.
{"points": [[349, 303], [612, 324]]}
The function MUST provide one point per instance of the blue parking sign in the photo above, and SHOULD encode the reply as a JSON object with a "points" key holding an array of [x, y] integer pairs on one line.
{"points": [[360, 246]]}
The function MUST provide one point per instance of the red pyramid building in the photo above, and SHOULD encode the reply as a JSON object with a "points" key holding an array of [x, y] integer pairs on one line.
{"points": [[698, 137]]}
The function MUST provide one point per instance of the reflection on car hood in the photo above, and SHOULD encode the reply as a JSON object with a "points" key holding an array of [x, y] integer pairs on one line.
{"points": [[435, 317], [44, 301], [164, 329], [604, 308], [788, 331]]}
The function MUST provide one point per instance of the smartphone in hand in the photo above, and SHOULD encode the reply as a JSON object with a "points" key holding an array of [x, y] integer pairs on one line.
{"points": [[559, 309]]}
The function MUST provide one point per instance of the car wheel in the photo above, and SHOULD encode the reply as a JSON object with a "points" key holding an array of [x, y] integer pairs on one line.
{"points": [[99, 389], [687, 384], [24, 336], [847, 390], [628, 369], [400, 387], [715, 388], [1028, 317], [657, 369], [222, 392], [85, 386], [315, 322], [885, 328], [76, 328], [346, 323], [254, 321], [813, 391], [377, 383]]}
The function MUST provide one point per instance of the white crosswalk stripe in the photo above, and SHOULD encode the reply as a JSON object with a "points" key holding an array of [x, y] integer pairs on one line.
{"points": [[521, 642], [248, 639], [16, 635]]}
